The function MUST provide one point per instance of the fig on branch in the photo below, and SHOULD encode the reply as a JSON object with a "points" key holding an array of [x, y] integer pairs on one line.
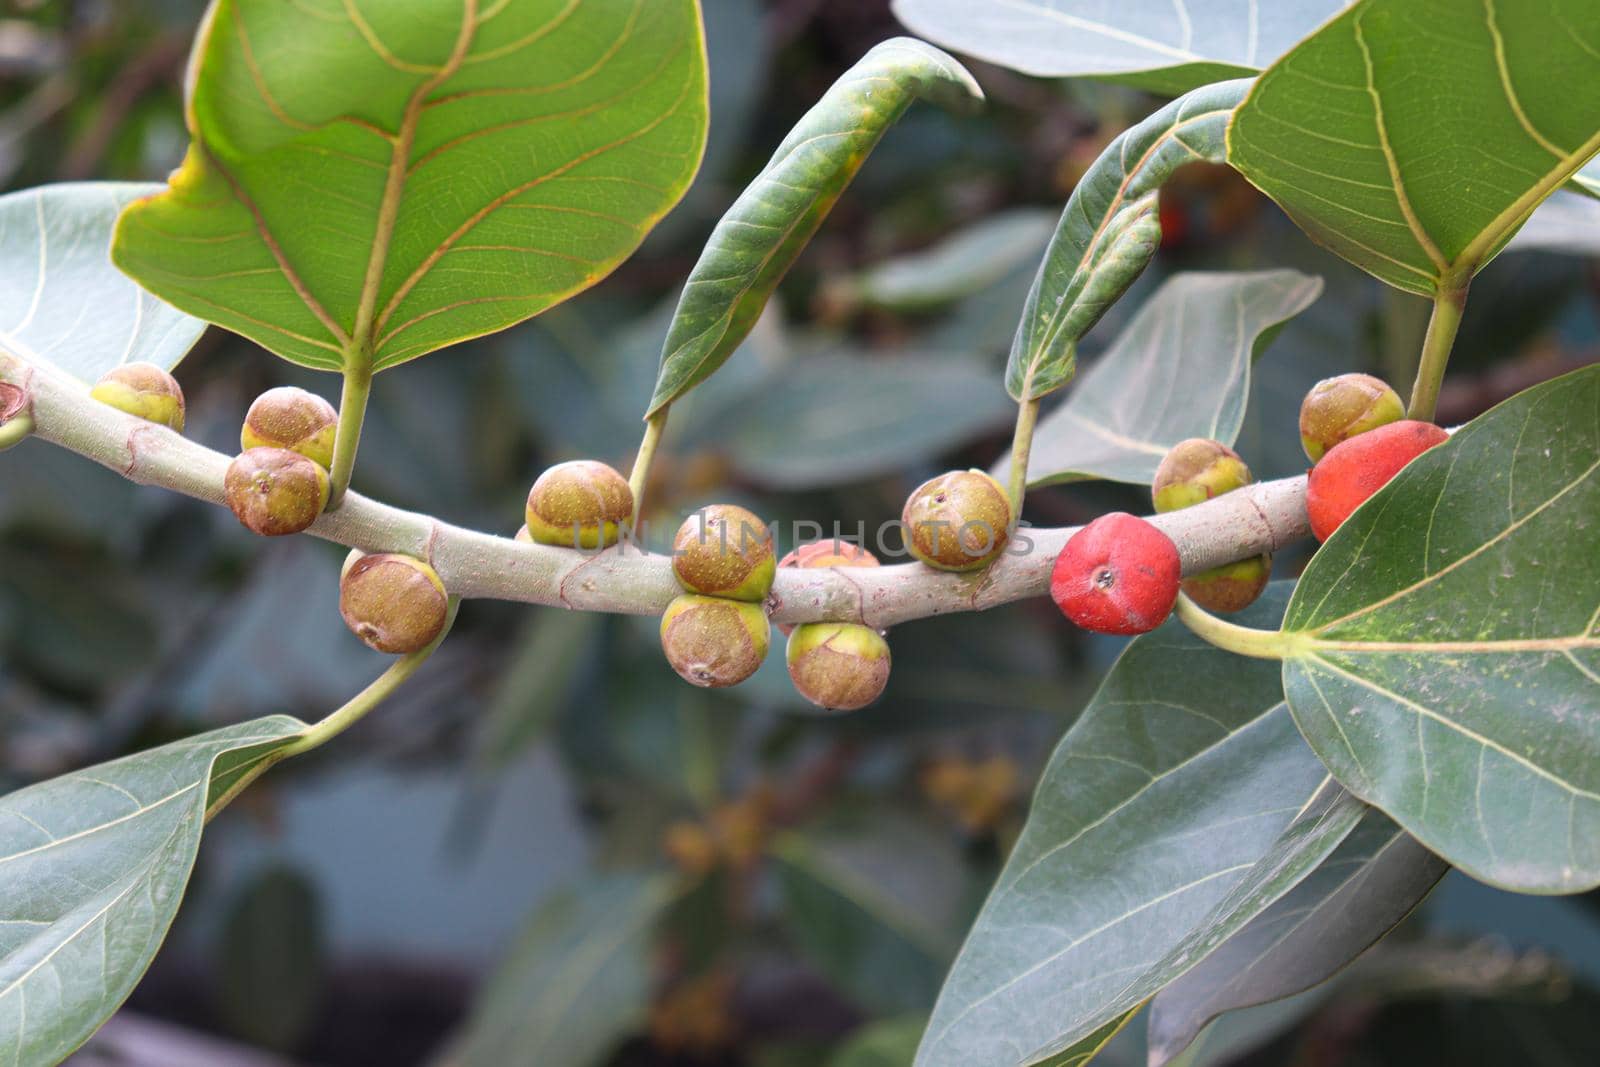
{"points": [[1195, 471], [273, 491], [959, 521], [292, 418], [1337, 409], [1351, 472], [394, 603], [579, 504], [712, 641], [840, 666], [834, 552], [726, 551], [1117, 575], [143, 390]]}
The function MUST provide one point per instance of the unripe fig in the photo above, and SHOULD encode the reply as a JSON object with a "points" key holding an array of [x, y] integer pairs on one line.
{"points": [[724, 550], [1194, 471], [394, 603], [1354, 470], [959, 521], [840, 666], [1337, 409], [1117, 575], [714, 641], [287, 417], [274, 491], [830, 553], [145, 390], [579, 504]]}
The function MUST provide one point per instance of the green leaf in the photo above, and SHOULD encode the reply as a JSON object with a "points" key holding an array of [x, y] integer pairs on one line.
{"points": [[94, 864], [1091, 1046], [270, 960], [1444, 644], [1372, 881], [370, 182], [765, 230], [62, 303], [966, 262], [1415, 153], [824, 421], [1179, 806], [887, 1043], [1154, 44], [1109, 232], [1180, 369], [578, 980]]}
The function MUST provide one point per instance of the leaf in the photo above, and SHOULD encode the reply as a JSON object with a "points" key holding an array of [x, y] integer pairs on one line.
{"points": [[1444, 644], [1109, 232], [886, 1043], [762, 234], [1372, 881], [94, 864], [1180, 369], [966, 262], [1416, 153], [371, 182], [1178, 807], [270, 960], [577, 981], [551, 652], [62, 303], [1154, 44], [824, 421]]}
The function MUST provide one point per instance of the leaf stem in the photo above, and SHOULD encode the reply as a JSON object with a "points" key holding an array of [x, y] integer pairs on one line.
{"points": [[352, 411], [1231, 637], [1448, 305], [15, 429], [654, 425], [1021, 451]]}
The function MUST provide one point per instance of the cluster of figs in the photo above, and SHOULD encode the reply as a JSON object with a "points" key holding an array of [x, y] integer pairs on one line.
{"points": [[1119, 574]]}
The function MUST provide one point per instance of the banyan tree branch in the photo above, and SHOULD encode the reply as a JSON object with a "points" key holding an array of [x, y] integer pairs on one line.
{"points": [[629, 578]]}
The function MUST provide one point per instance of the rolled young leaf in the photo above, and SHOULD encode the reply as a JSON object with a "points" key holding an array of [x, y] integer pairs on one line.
{"points": [[759, 238], [368, 182], [94, 865], [1443, 646], [1109, 232]]}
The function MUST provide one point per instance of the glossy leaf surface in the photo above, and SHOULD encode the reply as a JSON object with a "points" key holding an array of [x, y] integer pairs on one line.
{"points": [[1445, 644], [757, 241], [369, 182]]}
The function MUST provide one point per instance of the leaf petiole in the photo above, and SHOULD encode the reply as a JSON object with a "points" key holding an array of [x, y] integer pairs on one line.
{"points": [[1231, 637], [347, 438], [1021, 450], [1448, 305], [654, 424]]}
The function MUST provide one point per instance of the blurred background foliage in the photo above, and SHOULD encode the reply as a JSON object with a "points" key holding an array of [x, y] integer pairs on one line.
{"points": [[547, 850]]}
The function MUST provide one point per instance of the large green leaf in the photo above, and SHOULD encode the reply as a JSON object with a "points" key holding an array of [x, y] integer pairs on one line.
{"points": [[576, 982], [94, 865], [1180, 369], [62, 302], [1179, 806], [966, 262], [369, 182], [1157, 44], [765, 230], [1415, 151], [1372, 881], [1444, 644], [1109, 232]]}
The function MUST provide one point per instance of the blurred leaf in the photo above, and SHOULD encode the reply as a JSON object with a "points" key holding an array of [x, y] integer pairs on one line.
{"points": [[1153, 44], [369, 185], [1372, 881], [1180, 369], [95, 866], [885, 1043], [577, 982], [550, 652], [1089, 1047], [1444, 644], [1567, 222], [875, 906], [1371, 133], [765, 230], [820, 422], [1179, 806], [271, 960], [1109, 232], [966, 262], [62, 303]]}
